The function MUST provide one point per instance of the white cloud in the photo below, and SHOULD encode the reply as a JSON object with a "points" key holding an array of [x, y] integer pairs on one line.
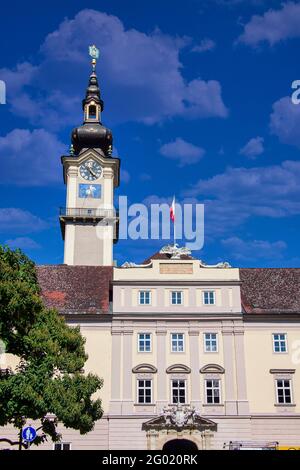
{"points": [[30, 158], [20, 77], [273, 26], [24, 243], [253, 147], [184, 152], [18, 220], [205, 45], [234, 196], [141, 75], [285, 121], [254, 249]]}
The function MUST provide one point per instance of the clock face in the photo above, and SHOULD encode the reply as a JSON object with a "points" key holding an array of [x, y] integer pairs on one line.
{"points": [[90, 170]]}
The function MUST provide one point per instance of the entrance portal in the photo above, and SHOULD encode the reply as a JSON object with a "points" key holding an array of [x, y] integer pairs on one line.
{"points": [[180, 446]]}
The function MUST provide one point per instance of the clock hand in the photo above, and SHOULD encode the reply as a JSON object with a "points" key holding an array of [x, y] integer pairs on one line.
{"points": [[92, 172]]}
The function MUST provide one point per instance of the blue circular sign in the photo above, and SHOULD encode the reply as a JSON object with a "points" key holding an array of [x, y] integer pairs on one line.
{"points": [[29, 434]]}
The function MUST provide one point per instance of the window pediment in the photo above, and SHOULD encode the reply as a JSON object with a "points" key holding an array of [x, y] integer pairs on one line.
{"points": [[178, 368], [144, 369], [212, 369]]}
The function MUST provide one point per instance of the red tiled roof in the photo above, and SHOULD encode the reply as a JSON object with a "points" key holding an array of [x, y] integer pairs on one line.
{"points": [[270, 290], [86, 289], [75, 289]]}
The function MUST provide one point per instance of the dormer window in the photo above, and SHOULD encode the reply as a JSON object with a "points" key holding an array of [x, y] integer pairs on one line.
{"points": [[92, 111]]}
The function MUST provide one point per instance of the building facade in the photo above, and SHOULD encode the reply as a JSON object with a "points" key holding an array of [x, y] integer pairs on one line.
{"points": [[193, 356]]}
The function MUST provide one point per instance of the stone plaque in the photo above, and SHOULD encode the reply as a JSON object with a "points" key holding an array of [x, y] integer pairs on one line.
{"points": [[176, 268]]}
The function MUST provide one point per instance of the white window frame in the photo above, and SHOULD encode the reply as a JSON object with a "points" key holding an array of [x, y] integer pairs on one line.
{"points": [[150, 337], [203, 297], [62, 443], [213, 388], [143, 292], [177, 342], [210, 341], [176, 292], [284, 379], [280, 341], [137, 391], [185, 390]]}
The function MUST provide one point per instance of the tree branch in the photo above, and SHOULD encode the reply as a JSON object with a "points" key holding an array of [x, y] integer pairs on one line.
{"points": [[9, 441]]}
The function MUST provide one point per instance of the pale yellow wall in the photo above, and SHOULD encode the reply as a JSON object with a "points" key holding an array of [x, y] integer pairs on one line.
{"points": [[98, 348], [126, 299], [177, 358], [260, 358]]}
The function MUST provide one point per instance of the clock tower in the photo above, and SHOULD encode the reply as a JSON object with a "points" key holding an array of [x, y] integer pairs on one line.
{"points": [[89, 222]]}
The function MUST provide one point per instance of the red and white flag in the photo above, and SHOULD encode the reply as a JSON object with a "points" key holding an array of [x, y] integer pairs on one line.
{"points": [[172, 210]]}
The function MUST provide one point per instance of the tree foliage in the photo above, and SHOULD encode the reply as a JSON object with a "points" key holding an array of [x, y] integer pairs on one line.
{"points": [[51, 355]]}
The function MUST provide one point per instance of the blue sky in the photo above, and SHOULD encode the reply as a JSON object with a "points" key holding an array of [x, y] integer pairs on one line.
{"points": [[198, 96]]}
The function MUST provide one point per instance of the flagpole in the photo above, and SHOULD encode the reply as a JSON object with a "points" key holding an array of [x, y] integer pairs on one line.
{"points": [[174, 232]]}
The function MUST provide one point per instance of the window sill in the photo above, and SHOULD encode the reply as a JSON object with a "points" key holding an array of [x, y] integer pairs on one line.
{"points": [[284, 405], [213, 404], [144, 404]]}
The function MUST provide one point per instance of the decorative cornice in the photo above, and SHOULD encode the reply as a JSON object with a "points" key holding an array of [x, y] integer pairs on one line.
{"points": [[116, 332], [161, 332], [194, 332], [161, 282], [212, 369], [72, 171], [144, 368], [228, 332], [179, 369], [238, 332]]}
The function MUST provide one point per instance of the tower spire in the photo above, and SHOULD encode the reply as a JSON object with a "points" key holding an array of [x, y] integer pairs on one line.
{"points": [[92, 134]]}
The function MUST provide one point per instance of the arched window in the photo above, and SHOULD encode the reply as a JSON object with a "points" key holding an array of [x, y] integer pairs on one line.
{"points": [[92, 111]]}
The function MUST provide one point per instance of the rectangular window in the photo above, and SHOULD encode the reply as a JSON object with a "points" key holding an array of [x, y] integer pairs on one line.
{"points": [[177, 342], [210, 342], [209, 297], [178, 391], [144, 391], [144, 342], [176, 297], [279, 342], [62, 446], [283, 388], [213, 392], [144, 297]]}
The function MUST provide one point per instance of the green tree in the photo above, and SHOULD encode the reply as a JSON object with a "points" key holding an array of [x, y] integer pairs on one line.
{"points": [[48, 379]]}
